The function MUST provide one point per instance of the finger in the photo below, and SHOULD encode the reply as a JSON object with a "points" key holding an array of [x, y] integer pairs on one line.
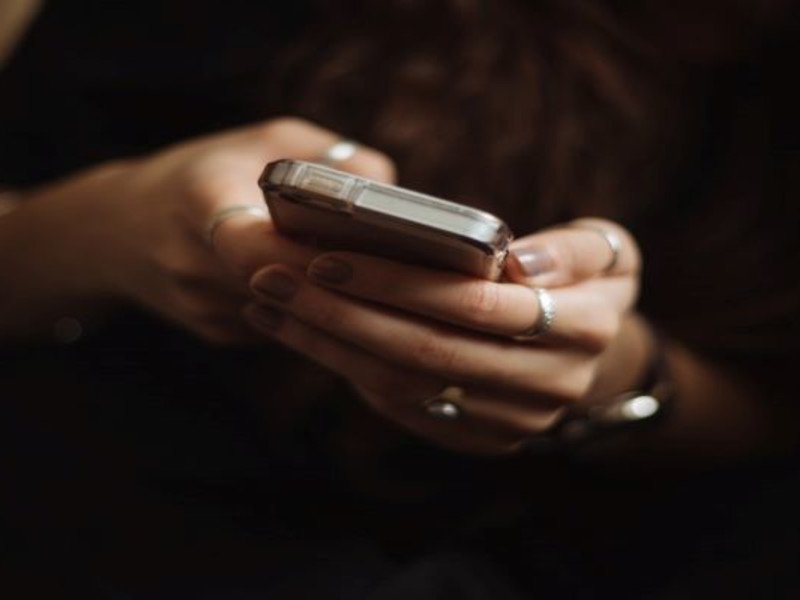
{"points": [[581, 250], [351, 362], [247, 245], [587, 313], [466, 436], [427, 346], [204, 274], [510, 416], [398, 393], [237, 216], [225, 175], [301, 139]]}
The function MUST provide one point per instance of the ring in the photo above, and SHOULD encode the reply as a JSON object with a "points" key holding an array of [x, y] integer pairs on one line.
{"points": [[611, 238], [547, 316], [444, 405], [232, 211], [338, 153]]}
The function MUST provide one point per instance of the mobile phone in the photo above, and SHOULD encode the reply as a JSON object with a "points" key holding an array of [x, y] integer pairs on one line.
{"points": [[340, 211]]}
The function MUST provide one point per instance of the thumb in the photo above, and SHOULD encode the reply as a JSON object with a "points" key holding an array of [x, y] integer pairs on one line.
{"points": [[573, 252]]}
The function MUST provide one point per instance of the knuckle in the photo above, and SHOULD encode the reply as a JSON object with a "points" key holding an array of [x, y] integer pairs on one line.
{"points": [[206, 180], [432, 351], [480, 300], [331, 315], [242, 261], [502, 371], [601, 330], [573, 385]]}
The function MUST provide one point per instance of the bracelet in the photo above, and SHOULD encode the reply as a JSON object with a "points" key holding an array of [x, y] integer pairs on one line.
{"points": [[632, 410]]}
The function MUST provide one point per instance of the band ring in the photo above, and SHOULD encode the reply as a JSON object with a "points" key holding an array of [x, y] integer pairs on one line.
{"points": [[611, 238], [547, 316], [232, 211], [445, 406], [337, 153]]}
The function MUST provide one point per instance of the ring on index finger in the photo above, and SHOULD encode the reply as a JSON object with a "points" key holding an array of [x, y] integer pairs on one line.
{"points": [[546, 316]]}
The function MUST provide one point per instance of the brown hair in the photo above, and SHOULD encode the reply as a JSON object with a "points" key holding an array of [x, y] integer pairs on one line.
{"points": [[545, 110], [539, 110]]}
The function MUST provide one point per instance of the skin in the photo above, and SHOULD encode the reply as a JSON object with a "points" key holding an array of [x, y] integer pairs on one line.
{"points": [[136, 232], [402, 333]]}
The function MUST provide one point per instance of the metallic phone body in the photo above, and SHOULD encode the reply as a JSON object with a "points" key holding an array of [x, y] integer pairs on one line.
{"points": [[341, 211]]}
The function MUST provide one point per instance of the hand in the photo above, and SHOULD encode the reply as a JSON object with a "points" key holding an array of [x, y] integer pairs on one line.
{"points": [[137, 229], [402, 333]]}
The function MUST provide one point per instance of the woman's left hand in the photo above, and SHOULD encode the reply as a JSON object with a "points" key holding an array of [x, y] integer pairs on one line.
{"points": [[401, 334]]}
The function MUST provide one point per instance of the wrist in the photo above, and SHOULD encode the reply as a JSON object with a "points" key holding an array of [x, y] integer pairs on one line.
{"points": [[43, 272], [711, 416], [623, 400]]}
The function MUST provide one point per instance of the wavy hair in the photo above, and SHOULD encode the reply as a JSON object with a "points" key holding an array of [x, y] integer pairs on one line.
{"points": [[542, 110], [537, 110]]}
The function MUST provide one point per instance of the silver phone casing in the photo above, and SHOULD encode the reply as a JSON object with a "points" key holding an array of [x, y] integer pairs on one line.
{"points": [[341, 211]]}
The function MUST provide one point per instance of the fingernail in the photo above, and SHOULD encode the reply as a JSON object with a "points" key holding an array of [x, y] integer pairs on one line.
{"points": [[265, 317], [277, 286], [535, 261], [330, 270]]}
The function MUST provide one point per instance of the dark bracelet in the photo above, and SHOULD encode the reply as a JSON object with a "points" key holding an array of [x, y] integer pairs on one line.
{"points": [[633, 410]]}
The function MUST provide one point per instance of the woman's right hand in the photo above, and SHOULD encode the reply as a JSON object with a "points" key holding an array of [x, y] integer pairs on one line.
{"points": [[138, 229]]}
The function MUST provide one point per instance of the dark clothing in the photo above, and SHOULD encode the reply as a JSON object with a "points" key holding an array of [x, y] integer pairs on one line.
{"points": [[138, 463]]}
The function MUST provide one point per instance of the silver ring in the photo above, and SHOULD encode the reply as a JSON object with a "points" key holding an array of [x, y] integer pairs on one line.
{"points": [[444, 405], [233, 211], [338, 153], [611, 238], [547, 316]]}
